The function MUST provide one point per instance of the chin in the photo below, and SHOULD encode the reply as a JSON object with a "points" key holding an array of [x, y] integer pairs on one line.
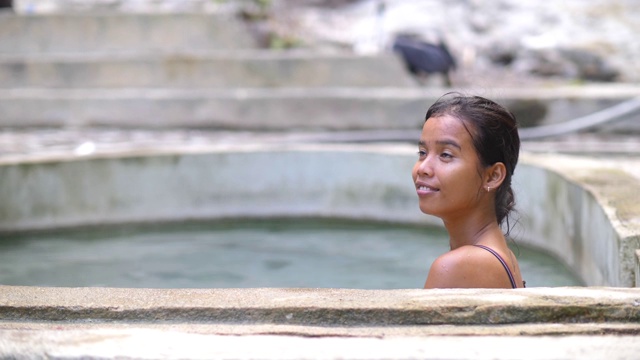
{"points": [[427, 210]]}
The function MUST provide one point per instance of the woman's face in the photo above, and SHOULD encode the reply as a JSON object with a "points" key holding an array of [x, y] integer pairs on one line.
{"points": [[447, 175]]}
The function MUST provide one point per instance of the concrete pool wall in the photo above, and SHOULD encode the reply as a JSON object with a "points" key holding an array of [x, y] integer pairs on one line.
{"points": [[565, 208], [569, 206]]}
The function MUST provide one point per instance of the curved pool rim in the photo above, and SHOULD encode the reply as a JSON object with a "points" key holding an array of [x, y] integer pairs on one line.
{"points": [[565, 206]]}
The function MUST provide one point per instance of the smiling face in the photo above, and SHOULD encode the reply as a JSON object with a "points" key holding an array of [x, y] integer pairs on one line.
{"points": [[447, 175]]}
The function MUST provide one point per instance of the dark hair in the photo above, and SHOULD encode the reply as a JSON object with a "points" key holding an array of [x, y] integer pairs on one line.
{"points": [[494, 131]]}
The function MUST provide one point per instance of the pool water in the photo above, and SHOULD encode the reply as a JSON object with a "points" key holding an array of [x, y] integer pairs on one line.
{"points": [[306, 253]]}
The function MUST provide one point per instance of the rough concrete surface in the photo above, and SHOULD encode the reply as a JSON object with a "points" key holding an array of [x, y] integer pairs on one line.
{"points": [[322, 307], [152, 344], [593, 202], [615, 182], [584, 323]]}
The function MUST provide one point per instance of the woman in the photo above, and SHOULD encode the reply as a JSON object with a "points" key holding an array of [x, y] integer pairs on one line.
{"points": [[468, 151]]}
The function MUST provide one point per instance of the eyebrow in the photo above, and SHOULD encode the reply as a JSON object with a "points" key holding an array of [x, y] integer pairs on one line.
{"points": [[443, 142], [449, 142]]}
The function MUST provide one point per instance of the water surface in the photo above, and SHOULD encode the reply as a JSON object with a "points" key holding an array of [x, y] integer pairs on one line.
{"points": [[245, 253]]}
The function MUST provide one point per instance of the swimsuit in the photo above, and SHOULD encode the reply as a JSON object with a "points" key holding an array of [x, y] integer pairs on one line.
{"points": [[504, 264]]}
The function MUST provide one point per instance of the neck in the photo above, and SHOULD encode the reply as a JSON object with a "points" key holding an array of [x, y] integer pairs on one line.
{"points": [[471, 229]]}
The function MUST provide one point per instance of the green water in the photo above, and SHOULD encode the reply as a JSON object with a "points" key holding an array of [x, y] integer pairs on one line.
{"points": [[249, 253]]}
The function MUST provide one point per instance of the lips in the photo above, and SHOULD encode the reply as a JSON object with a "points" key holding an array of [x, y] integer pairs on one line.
{"points": [[423, 188]]}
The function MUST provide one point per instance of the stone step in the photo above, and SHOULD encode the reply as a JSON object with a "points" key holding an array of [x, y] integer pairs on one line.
{"points": [[238, 109], [91, 32], [328, 308], [550, 323], [29, 143], [218, 69], [277, 109]]}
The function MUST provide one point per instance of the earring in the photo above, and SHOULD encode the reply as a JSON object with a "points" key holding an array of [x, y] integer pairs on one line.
{"points": [[488, 189]]}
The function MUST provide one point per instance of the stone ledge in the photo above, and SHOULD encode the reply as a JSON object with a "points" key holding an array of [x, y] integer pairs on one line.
{"points": [[321, 307], [544, 329], [277, 109], [150, 344]]}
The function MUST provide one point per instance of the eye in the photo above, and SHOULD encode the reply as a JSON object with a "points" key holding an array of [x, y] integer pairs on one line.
{"points": [[421, 154], [446, 156]]}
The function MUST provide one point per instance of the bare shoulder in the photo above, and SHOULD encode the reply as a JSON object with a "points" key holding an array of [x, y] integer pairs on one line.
{"points": [[466, 267]]}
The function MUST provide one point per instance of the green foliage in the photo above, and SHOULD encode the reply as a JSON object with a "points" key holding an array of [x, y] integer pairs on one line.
{"points": [[260, 11], [263, 3], [277, 42], [255, 10]]}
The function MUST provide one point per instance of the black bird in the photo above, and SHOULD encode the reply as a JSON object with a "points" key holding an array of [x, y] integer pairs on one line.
{"points": [[423, 58]]}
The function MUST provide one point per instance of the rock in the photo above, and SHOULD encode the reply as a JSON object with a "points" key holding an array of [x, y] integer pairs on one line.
{"points": [[568, 63], [528, 112], [589, 65]]}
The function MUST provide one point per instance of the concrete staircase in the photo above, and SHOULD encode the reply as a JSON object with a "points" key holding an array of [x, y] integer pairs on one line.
{"points": [[165, 71], [203, 71]]}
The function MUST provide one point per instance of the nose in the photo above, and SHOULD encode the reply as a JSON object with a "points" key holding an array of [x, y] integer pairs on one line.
{"points": [[425, 166]]}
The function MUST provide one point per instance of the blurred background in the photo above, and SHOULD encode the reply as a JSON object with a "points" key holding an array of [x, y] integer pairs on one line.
{"points": [[123, 79], [576, 40]]}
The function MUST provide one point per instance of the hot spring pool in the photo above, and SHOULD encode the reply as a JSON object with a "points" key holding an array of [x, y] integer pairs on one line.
{"points": [[245, 253]]}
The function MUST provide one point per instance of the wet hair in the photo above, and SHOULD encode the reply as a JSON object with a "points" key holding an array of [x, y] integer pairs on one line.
{"points": [[494, 131]]}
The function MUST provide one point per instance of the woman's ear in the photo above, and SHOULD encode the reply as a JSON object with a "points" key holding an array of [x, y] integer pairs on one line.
{"points": [[495, 175]]}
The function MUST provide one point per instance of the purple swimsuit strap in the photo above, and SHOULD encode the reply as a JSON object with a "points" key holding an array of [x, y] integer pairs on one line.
{"points": [[504, 263]]}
